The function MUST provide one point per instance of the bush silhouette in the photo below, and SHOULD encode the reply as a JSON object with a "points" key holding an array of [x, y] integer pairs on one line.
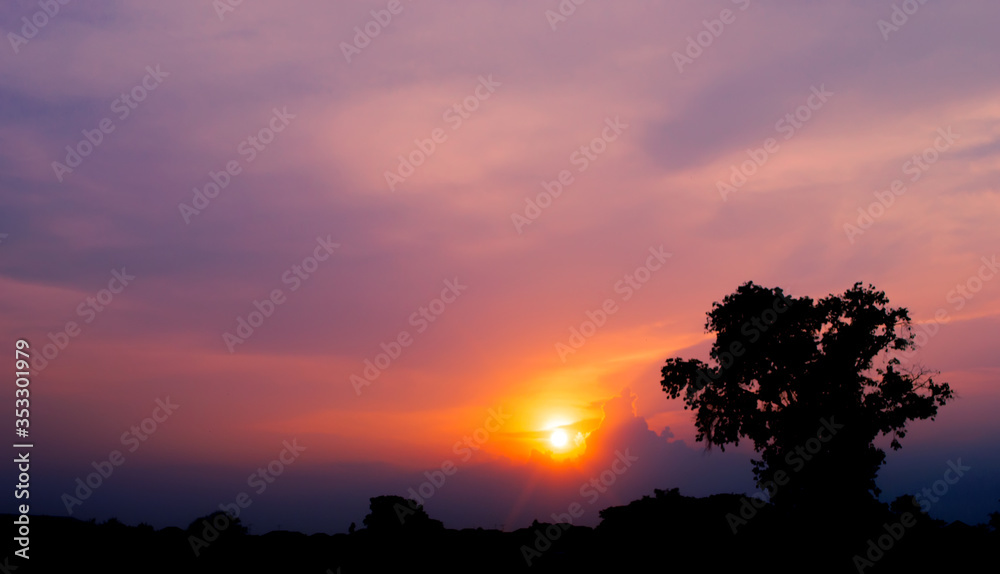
{"points": [[395, 513]]}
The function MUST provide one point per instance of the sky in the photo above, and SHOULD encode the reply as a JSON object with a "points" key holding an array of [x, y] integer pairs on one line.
{"points": [[313, 253]]}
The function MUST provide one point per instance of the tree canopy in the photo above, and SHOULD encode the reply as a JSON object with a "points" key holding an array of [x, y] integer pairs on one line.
{"points": [[394, 513], [812, 383]]}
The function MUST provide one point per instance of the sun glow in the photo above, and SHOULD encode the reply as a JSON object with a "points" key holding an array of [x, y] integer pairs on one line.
{"points": [[559, 438]]}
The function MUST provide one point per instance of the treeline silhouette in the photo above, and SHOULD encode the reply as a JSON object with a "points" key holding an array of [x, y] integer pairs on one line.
{"points": [[669, 531]]}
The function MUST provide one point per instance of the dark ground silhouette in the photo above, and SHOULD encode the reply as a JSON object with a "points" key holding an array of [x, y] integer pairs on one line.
{"points": [[674, 532]]}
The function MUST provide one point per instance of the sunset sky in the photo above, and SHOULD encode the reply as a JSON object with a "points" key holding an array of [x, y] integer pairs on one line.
{"points": [[461, 192]]}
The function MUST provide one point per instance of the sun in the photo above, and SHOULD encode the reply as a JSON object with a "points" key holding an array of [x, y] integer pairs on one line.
{"points": [[559, 438]]}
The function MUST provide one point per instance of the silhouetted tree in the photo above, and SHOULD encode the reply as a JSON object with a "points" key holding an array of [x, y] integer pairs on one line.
{"points": [[219, 522], [393, 513], [812, 384], [218, 529]]}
